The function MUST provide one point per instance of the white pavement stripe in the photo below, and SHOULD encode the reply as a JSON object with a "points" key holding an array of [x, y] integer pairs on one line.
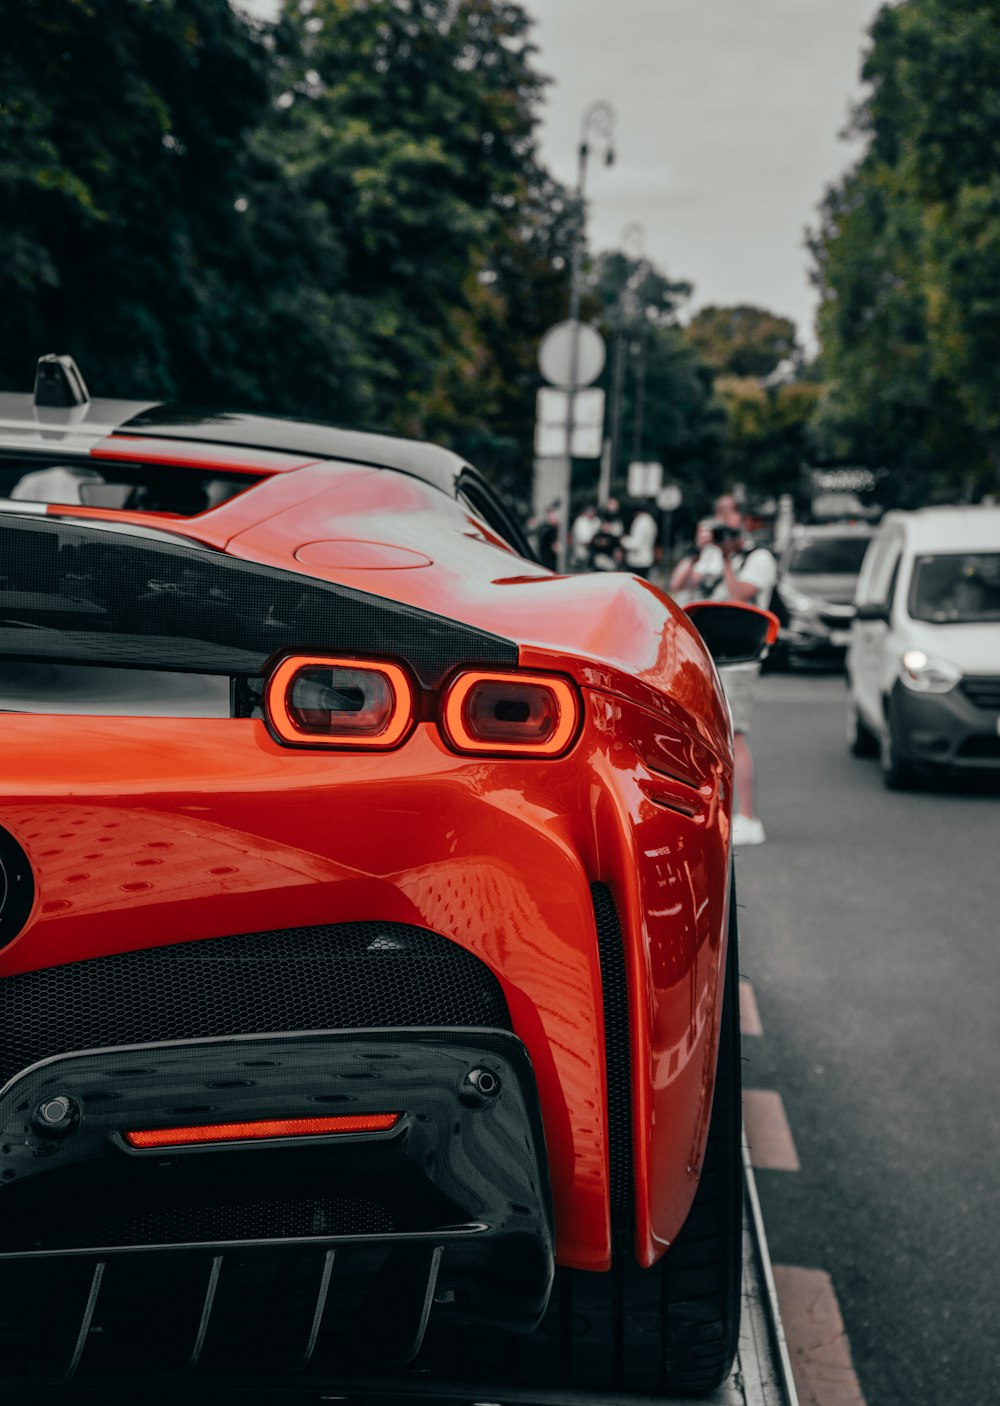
{"points": [[818, 1345], [772, 1147]]}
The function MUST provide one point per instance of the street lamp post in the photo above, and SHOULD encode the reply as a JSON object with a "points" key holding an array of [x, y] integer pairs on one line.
{"points": [[633, 245], [597, 127]]}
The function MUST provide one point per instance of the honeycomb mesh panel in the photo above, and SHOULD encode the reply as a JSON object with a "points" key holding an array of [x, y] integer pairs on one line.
{"points": [[611, 954], [280, 1219], [336, 976]]}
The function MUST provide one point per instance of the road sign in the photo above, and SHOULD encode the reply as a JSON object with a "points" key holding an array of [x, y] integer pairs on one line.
{"points": [[644, 479], [555, 354], [669, 498], [552, 417]]}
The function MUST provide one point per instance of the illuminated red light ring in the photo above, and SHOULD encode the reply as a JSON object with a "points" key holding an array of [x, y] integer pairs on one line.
{"points": [[568, 709], [279, 688], [262, 1129]]}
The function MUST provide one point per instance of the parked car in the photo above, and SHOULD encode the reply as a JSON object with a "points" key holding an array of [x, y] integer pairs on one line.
{"points": [[924, 662], [368, 959], [814, 594]]}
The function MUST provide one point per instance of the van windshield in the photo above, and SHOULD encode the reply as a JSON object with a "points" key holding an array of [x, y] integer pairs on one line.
{"points": [[957, 588], [829, 556]]}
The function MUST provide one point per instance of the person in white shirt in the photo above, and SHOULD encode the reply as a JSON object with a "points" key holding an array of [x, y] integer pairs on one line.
{"points": [[640, 543], [582, 533], [747, 575]]}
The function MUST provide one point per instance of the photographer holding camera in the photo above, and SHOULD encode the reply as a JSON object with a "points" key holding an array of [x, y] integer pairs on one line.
{"points": [[730, 567]]}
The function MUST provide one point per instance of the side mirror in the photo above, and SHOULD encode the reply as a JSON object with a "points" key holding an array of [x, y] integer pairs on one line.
{"points": [[733, 633], [873, 610]]}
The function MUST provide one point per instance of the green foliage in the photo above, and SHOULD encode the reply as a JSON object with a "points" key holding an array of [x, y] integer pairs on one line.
{"points": [[768, 433], [667, 409], [340, 215], [908, 259], [743, 341], [121, 132]]}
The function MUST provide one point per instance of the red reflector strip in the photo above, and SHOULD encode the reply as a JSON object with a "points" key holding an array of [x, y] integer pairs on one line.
{"points": [[268, 1128]]}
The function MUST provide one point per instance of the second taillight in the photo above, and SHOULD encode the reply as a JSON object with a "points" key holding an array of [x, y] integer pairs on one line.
{"points": [[339, 703], [511, 714]]}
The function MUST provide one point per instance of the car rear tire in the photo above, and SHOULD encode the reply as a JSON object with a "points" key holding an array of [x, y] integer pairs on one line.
{"points": [[897, 772], [671, 1330], [861, 741], [667, 1331]]}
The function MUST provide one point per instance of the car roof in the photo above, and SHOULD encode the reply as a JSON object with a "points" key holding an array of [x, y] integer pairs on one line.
{"points": [[966, 528], [809, 531], [25, 426]]}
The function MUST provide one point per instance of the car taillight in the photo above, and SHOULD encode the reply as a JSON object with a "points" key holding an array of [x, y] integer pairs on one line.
{"points": [[515, 714], [339, 703], [263, 1128]]}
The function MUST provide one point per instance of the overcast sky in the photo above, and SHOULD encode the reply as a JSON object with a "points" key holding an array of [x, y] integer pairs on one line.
{"points": [[728, 119]]}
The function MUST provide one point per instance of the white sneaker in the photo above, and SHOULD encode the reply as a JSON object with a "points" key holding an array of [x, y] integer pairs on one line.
{"points": [[747, 830]]}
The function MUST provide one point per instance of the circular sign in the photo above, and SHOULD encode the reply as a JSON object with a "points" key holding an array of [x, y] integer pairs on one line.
{"points": [[669, 498], [556, 354]]}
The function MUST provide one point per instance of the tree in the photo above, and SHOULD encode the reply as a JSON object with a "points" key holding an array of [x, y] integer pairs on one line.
{"points": [[667, 409], [768, 433], [121, 137], [743, 340], [907, 259]]}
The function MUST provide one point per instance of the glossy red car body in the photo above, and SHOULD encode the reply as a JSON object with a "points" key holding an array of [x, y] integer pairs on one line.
{"points": [[144, 831]]}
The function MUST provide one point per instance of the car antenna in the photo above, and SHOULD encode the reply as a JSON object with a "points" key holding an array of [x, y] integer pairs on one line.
{"points": [[58, 383]]}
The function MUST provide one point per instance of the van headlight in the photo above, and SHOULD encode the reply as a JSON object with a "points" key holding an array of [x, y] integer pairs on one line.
{"points": [[924, 673], [795, 600]]}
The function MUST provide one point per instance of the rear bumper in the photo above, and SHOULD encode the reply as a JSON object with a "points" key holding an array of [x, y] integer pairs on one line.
{"points": [[449, 1208], [152, 835]]}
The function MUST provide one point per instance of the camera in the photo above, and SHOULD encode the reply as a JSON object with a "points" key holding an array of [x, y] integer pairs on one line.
{"points": [[723, 533]]}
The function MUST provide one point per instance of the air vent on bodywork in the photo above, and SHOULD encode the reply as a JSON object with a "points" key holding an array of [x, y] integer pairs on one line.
{"points": [[336, 976]]}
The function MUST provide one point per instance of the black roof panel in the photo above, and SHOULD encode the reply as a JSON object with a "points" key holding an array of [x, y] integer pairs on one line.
{"points": [[437, 466]]}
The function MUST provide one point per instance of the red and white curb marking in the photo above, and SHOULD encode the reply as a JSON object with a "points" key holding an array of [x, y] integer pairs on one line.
{"points": [[813, 1327]]}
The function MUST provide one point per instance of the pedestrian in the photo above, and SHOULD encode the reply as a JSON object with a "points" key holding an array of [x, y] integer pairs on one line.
{"points": [[606, 545], [729, 566], [639, 542], [585, 524], [547, 538]]}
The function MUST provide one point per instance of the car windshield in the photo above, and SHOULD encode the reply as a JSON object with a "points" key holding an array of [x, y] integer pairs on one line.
{"points": [[957, 588], [829, 556]]}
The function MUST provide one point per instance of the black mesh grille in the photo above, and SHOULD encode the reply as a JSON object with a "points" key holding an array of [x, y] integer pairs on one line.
{"points": [[980, 748], [343, 976], [616, 1046], [280, 1219], [984, 692]]}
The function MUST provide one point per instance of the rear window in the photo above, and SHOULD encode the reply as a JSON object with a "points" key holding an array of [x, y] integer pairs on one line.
{"points": [[956, 588], [143, 488], [829, 556]]}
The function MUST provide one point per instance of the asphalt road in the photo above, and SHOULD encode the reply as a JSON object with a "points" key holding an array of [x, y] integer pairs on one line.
{"points": [[871, 935]]}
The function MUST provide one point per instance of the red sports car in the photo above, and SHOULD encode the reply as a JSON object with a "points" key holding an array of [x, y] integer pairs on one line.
{"points": [[367, 942]]}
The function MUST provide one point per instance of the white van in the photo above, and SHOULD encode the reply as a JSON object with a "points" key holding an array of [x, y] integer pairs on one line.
{"points": [[923, 663]]}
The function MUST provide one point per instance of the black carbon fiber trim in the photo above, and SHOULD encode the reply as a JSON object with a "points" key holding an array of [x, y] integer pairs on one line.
{"points": [[92, 595], [341, 976], [618, 1058]]}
